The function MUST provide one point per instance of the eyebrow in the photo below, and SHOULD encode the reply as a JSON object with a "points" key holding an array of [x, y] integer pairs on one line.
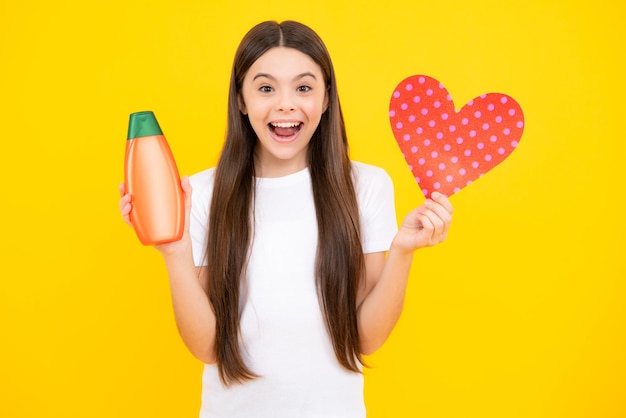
{"points": [[298, 77]]}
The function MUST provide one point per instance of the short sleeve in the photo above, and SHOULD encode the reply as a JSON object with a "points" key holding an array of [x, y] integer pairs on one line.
{"points": [[202, 191], [376, 204]]}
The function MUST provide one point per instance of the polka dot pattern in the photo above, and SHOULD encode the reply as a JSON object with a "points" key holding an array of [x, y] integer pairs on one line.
{"points": [[447, 150]]}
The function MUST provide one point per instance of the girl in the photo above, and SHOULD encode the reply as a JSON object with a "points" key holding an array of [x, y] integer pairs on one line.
{"points": [[291, 267]]}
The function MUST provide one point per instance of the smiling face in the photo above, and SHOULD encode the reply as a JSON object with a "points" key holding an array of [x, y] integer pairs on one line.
{"points": [[284, 96]]}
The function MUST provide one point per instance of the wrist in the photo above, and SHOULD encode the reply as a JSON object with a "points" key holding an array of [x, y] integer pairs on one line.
{"points": [[175, 250], [398, 248]]}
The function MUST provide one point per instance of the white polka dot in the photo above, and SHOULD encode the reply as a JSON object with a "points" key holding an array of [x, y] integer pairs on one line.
{"points": [[442, 166], [437, 105], [459, 140], [467, 153], [462, 171], [416, 99], [409, 87], [434, 154], [410, 167], [452, 128], [475, 164], [477, 114], [436, 185], [414, 149], [392, 113], [417, 179], [424, 111], [480, 145], [425, 191], [503, 100], [439, 135], [429, 92], [470, 103], [421, 161], [482, 96], [412, 118], [449, 98], [427, 142], [485, 126], [447, 147], [454, 159], [493, 138], [449, 178], [514, 144], [520, 124], [429, 173], [487, 157], [396, 94], [441, 86], [491, 107], [468, 182], [407, 137], [511, 112], [404, 106], [465, 121], [506, 131], [456, 190], [419, 130], [399, 125], [472, 133], [498, 119], [421, 80], [501, 151], [431, 123], [444, 116]]}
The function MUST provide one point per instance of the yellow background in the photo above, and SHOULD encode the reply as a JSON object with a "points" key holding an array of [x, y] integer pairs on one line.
{"points": [[520, 314]]}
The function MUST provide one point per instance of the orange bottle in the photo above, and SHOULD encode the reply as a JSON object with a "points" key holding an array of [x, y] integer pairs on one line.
{"points": [[152, 179]]}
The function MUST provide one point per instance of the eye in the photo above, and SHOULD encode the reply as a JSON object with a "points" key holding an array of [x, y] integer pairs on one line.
{"points": [[266, 89], [304, 88]]}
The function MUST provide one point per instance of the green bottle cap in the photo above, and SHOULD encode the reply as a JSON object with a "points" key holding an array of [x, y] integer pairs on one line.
{"points": [[143, 124]]}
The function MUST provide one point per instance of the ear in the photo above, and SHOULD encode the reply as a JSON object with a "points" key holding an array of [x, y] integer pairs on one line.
{"points": [[326, 101], [242, 105]]}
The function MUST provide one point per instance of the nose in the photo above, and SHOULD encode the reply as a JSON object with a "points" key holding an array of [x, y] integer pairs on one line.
{"points": [[286, 102]]}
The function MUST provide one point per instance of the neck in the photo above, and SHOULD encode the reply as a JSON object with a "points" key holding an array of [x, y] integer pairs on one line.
{"points": [[276, 167]]}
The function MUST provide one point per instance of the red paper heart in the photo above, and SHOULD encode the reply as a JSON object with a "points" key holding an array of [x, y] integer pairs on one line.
{"points": [[447, 150]]}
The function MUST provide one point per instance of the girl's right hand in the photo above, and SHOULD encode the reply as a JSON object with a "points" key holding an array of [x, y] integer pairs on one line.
{"points": [[168, 248], [125, 205]]}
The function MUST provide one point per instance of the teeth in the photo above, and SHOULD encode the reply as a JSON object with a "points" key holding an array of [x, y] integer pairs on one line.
{"points": [[285, 124]]}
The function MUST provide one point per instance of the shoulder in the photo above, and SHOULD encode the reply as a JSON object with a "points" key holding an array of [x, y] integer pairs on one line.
{"points": [[202, 182], [367, 176]]}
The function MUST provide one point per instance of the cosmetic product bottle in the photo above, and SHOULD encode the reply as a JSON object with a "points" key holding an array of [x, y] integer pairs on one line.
{"points": [[152, 179]]}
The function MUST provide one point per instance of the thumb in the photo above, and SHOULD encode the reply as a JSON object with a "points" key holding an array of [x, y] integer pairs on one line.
{"points": [[187, 191]]}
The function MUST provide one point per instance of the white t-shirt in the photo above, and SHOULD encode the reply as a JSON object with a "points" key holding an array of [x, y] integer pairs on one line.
{"points": [[283, 334]]}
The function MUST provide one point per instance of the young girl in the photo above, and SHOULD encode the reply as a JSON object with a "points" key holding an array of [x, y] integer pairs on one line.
{"points": [[291, 267]]}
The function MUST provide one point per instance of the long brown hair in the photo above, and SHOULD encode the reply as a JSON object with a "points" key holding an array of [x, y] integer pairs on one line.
{"points": [[339, 258]]}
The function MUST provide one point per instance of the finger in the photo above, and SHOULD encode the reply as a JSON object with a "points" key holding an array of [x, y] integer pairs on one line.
{"points": [[126, 209], [443, 200], [187, 189], [440, 210], [125, 204], [427, 225], [124, 200], [439, 226]]}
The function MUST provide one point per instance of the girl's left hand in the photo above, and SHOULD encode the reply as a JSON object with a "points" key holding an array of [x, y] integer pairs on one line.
{"points": [[426, 225]]}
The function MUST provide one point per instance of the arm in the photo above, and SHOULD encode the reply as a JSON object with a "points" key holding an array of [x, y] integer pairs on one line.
{"points": [[194, 315], [381, 298]]}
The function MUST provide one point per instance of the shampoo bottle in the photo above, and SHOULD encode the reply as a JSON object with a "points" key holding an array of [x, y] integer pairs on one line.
{"points": [[152, 180]]}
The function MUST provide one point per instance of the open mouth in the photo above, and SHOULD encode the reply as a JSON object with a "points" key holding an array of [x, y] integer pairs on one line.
{"points": [[285, 130]]}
